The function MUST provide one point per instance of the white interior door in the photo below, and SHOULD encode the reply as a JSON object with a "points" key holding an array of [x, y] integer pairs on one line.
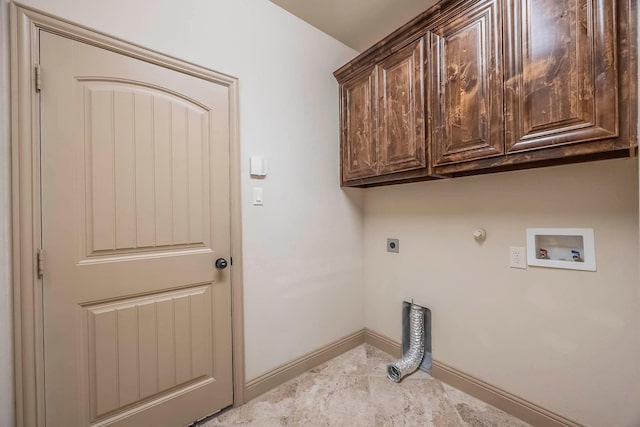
{"points": [[135, 211]]}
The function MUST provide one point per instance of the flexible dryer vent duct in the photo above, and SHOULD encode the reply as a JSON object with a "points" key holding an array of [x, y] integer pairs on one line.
{"points": [[413, 357]]}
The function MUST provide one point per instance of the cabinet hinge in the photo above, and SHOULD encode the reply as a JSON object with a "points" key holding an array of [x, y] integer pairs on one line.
{"points": [[40, 261], [38, 78]]}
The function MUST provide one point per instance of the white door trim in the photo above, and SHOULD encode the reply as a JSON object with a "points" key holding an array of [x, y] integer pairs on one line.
{"points": [[26, 210]]}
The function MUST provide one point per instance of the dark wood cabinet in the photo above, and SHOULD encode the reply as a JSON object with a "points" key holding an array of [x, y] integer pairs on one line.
{"points": [[359, 126], [467, 80], [570, 84], [383, 119], [401, 141], [478, 86], [561, 75]]}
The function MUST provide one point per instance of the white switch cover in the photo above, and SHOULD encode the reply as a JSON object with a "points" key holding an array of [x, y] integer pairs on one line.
{"points": [[257, 196], [517, 257], [258, 166]]}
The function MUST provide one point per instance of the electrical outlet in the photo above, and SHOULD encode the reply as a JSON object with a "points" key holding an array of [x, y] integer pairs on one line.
{"points": [[518, 257], [393, 245]]}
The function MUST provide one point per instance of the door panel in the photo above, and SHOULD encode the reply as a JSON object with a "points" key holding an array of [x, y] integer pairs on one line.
{"points": [[561, 81], [135, 209], [467, 75], [401, 110], [170, 330], [145, 161], [359, 126]]}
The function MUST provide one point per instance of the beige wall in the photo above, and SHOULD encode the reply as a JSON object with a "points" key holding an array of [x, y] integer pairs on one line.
{"points": [[302, 259], [565, 340]]}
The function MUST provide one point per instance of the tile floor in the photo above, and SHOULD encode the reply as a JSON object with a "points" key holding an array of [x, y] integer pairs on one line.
{"points": [[352, 390]]}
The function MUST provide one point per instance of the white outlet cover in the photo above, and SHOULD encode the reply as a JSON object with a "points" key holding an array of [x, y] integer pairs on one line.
{"points": [[518, 257]]}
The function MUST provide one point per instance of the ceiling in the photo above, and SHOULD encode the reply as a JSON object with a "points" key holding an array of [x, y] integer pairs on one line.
{"points": [[356, 23]]}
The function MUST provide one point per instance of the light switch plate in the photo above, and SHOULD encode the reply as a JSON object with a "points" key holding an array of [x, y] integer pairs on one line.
{"points": [[258, 199]]}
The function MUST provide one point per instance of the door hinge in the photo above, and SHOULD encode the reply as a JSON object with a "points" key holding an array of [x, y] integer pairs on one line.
{"points": [[40, 261], [38, 78]]}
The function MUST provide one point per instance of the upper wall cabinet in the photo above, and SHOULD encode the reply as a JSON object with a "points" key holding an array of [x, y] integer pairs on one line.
{"points": [[401, 109], [561, 72], [359, 126], [477, 86], [466, 75], [570, 84], [383, 118]]}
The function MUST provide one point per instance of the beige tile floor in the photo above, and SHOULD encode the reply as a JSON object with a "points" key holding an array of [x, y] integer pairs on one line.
{"points": [[352, 390]]}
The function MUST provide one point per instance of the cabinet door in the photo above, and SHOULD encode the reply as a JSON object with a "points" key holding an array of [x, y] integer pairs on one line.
{"points": [[359, 127], [401, 142], [561, 82], [466, 58]]}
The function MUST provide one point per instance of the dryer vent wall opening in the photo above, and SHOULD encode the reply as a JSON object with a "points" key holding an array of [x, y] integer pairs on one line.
{"points": [[416, 342], [406, 334]]}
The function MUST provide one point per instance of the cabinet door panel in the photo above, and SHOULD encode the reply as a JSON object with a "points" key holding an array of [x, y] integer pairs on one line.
{"points": [[561, 84], [467, 75], [359, 127], [401, 110]]}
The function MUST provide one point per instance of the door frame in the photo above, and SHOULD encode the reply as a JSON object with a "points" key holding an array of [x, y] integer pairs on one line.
{"points": [[26, 210]]}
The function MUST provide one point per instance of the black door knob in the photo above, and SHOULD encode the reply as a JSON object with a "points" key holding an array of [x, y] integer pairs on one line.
{"points": [[221, 263]]}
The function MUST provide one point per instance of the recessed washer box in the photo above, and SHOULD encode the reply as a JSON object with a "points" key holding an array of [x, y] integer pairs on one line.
{"points": [[569, 248]]}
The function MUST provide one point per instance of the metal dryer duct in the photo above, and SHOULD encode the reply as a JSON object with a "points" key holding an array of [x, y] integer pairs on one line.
{"points": [[413, 357]]}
